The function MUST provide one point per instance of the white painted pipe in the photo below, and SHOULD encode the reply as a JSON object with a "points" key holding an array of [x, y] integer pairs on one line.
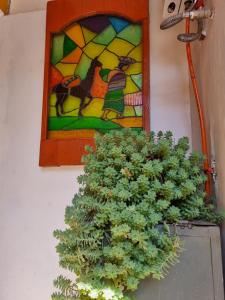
{"points": [[198, 14], [193, 14]]}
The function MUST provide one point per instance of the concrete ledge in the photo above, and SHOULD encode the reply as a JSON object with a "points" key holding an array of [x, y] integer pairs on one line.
{"points": [[198, 275]]}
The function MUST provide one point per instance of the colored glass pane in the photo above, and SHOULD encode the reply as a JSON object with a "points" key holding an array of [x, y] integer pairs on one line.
{"points": [[134, 69], [73, 57], [95, 24], [109, 60], [136, 53], [83, 66], [131, 33], [129, 111], [56, 77], [99, 87], [75, 33], [138, 110], [137, 80], [95, 108], [88, 35], [96, 78], [118, 23], [66, 69], [131, 87], [120, 47], [129, 122], [71, 106], [106, 36], [92, 50], [57, 48], [68, 46]]}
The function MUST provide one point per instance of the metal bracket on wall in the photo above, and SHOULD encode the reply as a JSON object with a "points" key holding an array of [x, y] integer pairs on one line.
{"points": [[173, 7]]}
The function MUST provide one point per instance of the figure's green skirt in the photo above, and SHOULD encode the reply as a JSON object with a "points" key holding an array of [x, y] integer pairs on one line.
{"points": [[114, 100]]}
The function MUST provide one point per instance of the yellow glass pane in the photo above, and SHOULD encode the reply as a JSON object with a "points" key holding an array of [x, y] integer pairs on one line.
{"points": [[111, 115], [120, 47], [66, 69], [75, 33], [109, 60], [134, 69], [129, 122], [52, 100], [130, 86], [88, 35], [71, 106], [94, 109], [136, 53], [93, 50], [129, 111], [52, 111]]}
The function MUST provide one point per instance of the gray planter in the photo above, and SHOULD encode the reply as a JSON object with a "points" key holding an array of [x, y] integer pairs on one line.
{"points": [[198, 275]]}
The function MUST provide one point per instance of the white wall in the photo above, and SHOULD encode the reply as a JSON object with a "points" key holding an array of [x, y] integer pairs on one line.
{"points": [[210, 67], [18, 6], [170, 99], [33, 199]]}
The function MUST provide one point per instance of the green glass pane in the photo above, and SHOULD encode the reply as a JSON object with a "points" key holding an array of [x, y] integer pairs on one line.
{"points": [[137, 79], [83, 66], [57, 48], [68, 46], [104, 73], [113, 95], [131, 33], [138, 110], [91, 122], [106, 36], [73, 123]]}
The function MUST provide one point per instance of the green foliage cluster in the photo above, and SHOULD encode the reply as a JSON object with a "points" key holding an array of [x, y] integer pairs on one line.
{"points": [[134, 185]]}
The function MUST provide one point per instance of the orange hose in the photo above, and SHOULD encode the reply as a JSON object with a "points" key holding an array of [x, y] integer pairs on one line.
{"points": [[200, 111]]}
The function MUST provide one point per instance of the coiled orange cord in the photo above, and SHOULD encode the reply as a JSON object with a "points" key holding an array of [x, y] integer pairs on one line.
{"points": [[200, 112]]}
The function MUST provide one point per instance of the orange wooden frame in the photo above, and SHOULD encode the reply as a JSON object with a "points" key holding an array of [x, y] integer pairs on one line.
{"points": [[61, 13], [4, 6]]}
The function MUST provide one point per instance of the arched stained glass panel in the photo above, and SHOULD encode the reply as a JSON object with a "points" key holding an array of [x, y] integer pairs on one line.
{"points": [[95, 78]]}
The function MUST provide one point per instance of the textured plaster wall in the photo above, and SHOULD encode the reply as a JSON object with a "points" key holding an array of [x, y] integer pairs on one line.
{"points": [[32, 200], [170, 98], [210, 67], [18, 6]]}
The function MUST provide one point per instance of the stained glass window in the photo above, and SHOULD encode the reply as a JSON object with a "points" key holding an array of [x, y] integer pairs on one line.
{"points": [[95, 78]]}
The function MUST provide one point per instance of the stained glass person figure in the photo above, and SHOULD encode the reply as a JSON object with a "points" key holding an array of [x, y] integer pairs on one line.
{"points": [[114, 98]]}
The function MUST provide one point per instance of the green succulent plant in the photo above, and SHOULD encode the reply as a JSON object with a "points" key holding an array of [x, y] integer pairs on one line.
{"points": [[133, 186]]}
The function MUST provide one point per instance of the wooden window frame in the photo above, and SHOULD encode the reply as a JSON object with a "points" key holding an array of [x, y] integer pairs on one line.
{"points": [[61, 13], [5, 6]]}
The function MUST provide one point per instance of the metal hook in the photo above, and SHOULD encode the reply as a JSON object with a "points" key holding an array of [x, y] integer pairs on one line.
{"points": [[190, 37]]}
